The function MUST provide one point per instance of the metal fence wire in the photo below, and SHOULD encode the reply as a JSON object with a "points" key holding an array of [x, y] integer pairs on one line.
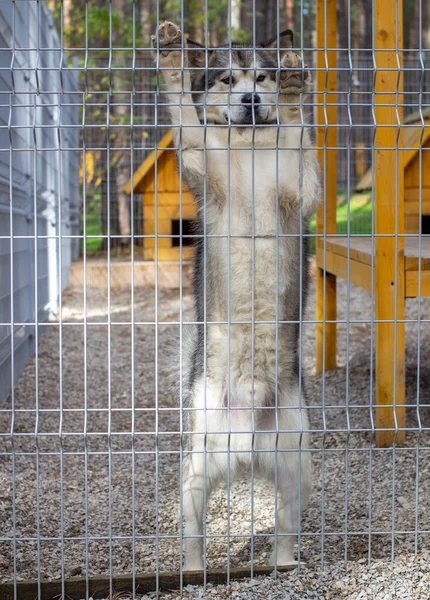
{"points": [[214, 298]]}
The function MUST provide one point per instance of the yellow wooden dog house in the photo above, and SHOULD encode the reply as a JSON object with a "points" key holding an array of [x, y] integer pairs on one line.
{"points": [[164, 208], [416, 166], [392, 265]]}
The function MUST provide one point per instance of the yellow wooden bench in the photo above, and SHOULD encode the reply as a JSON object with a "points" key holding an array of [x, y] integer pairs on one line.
{"points": [[399, 263]]}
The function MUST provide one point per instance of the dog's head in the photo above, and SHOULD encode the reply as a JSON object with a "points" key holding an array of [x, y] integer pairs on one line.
{"points": [[240, 86]]}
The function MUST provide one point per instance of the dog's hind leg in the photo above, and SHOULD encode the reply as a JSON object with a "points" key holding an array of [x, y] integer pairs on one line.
{"points": [[201, 475], [292, 464], [193, 503], [294, 486], [202, 469]]}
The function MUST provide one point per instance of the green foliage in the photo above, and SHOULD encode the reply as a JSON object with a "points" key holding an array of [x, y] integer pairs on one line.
{"points": [[354, 216], [93, 227], [99, 27]]}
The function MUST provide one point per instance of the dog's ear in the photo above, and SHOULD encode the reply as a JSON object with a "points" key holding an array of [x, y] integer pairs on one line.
{"points": [[285, 41], [196, 56]]}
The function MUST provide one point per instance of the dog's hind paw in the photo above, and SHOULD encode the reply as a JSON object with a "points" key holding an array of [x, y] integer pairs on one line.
{"points": [[193, 565], [284, 557], [284, 563]]}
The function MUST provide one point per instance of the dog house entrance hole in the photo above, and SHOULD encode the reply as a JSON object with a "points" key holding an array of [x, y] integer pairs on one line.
{"points": [[425, 224], [186, 231]]}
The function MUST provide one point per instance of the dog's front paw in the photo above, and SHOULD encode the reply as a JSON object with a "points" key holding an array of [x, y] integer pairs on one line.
{"points": [[293, 76], [169, 42]]}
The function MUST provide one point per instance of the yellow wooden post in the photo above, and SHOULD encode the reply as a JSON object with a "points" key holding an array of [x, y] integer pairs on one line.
{"points": [[389, 219], [326, 116]]}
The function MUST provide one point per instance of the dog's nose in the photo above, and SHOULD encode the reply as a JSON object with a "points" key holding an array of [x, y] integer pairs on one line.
{"points": [[250, 99]]}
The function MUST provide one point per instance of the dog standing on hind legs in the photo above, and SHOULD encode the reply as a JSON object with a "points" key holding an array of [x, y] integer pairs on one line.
{"points": [[248, 160]]}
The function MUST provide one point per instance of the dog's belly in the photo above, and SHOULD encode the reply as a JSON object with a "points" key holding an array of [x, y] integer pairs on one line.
{"points": [[243, 381], [237, 429]]}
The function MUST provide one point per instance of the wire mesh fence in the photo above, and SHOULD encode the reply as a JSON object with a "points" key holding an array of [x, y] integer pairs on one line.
{"points": [[162, 430]]}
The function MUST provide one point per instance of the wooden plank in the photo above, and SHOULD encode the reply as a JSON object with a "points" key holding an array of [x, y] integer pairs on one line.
{"points": [[146, 185], [336, 264], [411, 223], [326, 128], [417, 256], [360, 250], [413, 142], [172, 211], [411, 284], [417, 115], [149, 162], [169, 253], [99, 587], [416, 137], [389, 215], [326, 111], [412, 173], [167, 175], [168, 199], [164, 227], [415, 133], [414, 197], [162, 243], [120, 273], [325, 332], [360, 160]]}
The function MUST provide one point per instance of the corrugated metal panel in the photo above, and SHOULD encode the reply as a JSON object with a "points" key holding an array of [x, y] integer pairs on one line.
{"points": [[39, 185]]}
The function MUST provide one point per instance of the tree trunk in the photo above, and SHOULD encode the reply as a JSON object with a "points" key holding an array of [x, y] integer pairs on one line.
{"points": [[146, 25], [426, 25], [265, 19], [122, 176], [104, 203], [342, 27], [289, 14]]}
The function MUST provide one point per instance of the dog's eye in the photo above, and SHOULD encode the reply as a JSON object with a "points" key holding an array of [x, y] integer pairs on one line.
{"points": [[228, 80], [261, 78]]}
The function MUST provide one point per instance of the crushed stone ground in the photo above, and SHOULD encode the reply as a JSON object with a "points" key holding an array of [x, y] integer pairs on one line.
{"points": [[69, 485]]}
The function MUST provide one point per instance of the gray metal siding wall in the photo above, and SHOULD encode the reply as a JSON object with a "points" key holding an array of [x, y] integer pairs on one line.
{"points": [[39, 184]]}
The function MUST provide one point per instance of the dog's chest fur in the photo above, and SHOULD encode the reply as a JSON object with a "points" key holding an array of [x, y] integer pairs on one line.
{"points": [[252, 275], [252, 192]]}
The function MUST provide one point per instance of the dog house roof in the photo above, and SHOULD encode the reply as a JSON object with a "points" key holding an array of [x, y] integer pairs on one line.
{"points": [[414, 139], [148, 164]]}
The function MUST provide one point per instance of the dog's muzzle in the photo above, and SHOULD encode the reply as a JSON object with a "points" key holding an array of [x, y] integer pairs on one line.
{"points": [[249, 111], [250, 105]]}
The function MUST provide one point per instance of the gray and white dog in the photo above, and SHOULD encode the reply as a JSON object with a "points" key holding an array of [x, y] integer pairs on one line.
{"points": [[249, 161]]}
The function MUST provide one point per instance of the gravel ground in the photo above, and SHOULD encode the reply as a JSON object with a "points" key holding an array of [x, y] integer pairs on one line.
{"points": [[408, 578], [369, 493]]}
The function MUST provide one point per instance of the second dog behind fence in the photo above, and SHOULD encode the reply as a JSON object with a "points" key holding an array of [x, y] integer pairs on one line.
{"points": [[246, 156]]}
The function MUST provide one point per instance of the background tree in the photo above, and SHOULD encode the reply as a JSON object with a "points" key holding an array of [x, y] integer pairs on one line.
{"points": [[111, 40]]}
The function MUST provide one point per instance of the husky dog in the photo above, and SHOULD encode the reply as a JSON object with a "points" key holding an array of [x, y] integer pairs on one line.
{"points": [[248, 159]]}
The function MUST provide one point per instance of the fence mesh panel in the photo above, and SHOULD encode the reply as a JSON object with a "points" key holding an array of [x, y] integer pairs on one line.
{"points": [[214, 296]]}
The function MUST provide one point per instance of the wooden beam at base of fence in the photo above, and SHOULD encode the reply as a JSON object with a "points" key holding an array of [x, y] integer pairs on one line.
{"points": [[389, 221], [76, 588]]}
